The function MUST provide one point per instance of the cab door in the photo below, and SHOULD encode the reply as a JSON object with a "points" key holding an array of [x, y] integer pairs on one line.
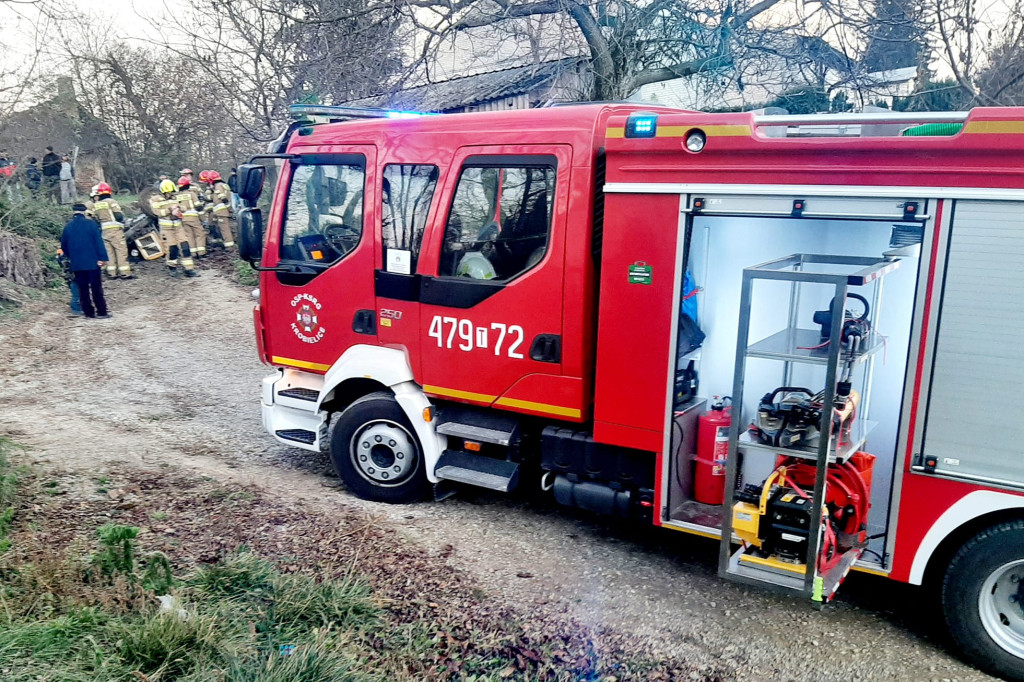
{"points": [[492, 282], [407, 200], [321, 302]]}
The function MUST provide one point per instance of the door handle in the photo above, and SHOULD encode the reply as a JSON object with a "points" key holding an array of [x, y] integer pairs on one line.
{"points": [[365, 322], [546, 348]]}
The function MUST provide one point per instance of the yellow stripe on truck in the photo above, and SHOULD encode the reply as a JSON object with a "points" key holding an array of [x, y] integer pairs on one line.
{"points": [[301, 364], [994, 127], [455, 393], [539, 407]]}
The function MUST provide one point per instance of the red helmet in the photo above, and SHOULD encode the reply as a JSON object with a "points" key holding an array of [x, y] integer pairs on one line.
{"points": [[212, 176], [103, 188], [183, 181], [204, 176]]}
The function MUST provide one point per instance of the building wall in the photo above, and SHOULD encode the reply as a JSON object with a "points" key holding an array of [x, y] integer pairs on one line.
{"points": [[88, 172]]}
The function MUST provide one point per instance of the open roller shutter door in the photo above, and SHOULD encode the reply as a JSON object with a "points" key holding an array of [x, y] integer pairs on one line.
{"points": [[975, 407]]}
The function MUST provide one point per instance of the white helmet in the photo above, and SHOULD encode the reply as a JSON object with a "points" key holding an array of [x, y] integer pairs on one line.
{"points": [[475, 266]]}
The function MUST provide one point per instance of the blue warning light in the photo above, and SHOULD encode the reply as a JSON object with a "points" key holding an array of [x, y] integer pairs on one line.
{"points": [[642, 125]]}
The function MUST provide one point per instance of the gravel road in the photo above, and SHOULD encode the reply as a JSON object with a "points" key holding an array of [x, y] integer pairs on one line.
{"points": [[174, 378]]}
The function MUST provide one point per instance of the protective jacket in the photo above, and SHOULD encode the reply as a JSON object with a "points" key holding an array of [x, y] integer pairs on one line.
{"points": [[188, 200], [106, 211], [219, 196]]}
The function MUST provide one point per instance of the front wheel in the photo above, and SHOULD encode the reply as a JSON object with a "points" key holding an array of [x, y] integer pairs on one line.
{"points": [[983, 599], [376, 453]]}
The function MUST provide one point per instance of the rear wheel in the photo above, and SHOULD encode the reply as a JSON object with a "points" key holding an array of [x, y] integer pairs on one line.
{"points": [[983, 599], [376, 453]]}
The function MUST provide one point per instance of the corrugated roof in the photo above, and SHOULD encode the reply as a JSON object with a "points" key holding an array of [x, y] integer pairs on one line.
{"points": [[466, 91]]}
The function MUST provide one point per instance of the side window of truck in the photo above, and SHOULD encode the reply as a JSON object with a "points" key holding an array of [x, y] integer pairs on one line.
{"points": [[405, 202], [324, 215], [500, 221]]}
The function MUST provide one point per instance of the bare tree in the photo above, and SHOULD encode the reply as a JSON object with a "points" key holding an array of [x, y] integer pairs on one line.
{"points": [[21, 65], [630, 43], [263, 55]]}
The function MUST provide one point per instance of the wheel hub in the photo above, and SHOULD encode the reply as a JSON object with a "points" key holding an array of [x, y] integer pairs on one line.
{"points": [[1001, 606], [383, 453]]}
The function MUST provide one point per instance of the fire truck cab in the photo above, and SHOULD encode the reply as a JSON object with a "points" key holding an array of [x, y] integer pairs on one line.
{"points": [[557, 298]]}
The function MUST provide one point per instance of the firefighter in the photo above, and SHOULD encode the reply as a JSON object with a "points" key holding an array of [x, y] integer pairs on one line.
{"points": [[107, 213], [190, 203], [218, 197], [165, 206]]}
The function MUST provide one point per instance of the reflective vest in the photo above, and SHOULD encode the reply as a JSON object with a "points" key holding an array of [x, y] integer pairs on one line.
{"points": [[221, 197], [188, 200], [103, 211], [162, 207]]}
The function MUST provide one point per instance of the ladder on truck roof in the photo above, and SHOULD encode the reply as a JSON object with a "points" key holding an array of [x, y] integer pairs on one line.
{"points": [[866, 124]]}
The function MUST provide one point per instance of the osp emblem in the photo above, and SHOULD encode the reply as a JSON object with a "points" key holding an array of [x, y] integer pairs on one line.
{"points": [[307, 319]]}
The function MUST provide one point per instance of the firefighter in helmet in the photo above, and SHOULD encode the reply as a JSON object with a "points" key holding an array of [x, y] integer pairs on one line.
{"points": [[218, 197], [190, 203], [107, 212], [168, 213]]}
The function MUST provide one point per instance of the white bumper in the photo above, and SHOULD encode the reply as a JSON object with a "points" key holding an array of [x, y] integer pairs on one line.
{"points": [[291, 420]]}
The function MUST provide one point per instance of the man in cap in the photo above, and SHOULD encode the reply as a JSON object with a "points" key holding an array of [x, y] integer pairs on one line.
{"points": [[82, 243]]}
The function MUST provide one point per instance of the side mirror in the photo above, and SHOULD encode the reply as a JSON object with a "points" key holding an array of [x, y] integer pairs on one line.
{"points": [[250, 181], [250, 238]]}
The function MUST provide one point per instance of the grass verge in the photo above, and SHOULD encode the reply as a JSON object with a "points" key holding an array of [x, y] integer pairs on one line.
{"points": [[244, 273], [139, 582]]}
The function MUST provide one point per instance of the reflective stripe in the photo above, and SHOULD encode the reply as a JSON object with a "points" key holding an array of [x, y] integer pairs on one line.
{"points": [[195, 213], [187, 262], [172, 263], [229, 243], [125, 268], [219, 208], [110, 226]]}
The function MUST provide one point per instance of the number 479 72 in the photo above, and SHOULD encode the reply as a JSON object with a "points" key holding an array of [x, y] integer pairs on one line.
{"points": [[467, 336]]}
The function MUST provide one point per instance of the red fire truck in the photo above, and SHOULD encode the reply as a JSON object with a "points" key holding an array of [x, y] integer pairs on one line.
{"points": [[557, 297]]}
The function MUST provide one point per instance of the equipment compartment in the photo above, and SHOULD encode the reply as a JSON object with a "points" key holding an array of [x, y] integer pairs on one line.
{"points": [[784, 331]]}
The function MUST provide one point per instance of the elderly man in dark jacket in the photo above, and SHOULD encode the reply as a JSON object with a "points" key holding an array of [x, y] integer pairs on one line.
{"points": [[82, 243]]}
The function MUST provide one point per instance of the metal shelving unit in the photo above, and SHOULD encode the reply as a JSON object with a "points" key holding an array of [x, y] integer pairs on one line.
{"points": [[792, 346]]}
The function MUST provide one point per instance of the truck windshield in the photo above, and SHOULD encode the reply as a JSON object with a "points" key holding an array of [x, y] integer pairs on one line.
{"points": [[324, 214]]}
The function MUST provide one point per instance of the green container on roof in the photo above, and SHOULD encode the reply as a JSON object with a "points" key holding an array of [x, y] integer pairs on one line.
{"points": [[933, 130]]}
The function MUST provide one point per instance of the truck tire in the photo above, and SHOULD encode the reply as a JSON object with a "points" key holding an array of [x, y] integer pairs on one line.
{"points": [[983, 599], [376, 453]]}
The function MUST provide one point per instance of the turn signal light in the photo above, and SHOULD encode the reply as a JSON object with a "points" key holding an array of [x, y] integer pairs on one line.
{"points": [[472, 446], [428, 414]]}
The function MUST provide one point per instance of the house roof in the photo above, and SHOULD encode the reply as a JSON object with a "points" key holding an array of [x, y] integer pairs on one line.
{"points": [[61, 123], [465, 91]]}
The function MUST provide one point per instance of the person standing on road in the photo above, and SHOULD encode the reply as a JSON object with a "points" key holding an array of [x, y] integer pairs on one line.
{"points": [[188, 200], [69, 277], [218, 196], [67, 181], [172, 233], [82, 242], [108, 212], [51, 173]]}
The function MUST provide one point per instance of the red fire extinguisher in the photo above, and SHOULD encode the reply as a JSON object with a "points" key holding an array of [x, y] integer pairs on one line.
{"points": [[712, 452]]}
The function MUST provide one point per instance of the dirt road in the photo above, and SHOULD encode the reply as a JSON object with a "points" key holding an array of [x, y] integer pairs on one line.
{"points": [[173, 379]]}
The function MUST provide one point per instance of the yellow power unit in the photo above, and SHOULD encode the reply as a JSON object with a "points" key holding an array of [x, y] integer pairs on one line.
{"points": [[746, 519]]}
